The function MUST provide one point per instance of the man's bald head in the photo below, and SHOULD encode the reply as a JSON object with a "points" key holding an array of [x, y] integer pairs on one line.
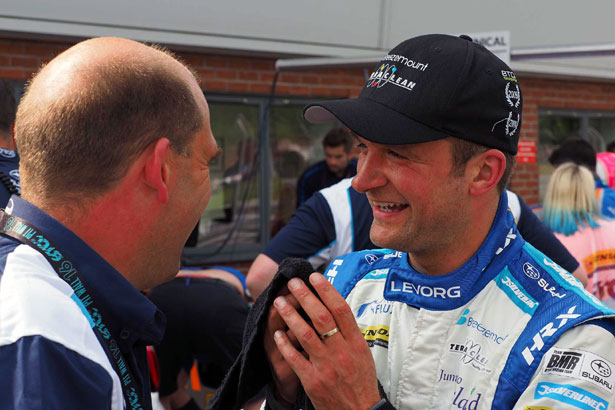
{"points": [[94, 108]]}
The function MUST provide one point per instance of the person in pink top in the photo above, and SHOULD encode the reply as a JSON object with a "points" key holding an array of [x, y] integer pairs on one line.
{"points": [[571, 212]]}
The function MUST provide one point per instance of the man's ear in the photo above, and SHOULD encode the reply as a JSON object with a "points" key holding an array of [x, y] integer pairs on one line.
{"points": [[155, 169], [489, 168]]}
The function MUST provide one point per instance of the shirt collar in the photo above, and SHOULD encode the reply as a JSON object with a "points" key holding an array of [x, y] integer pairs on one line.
{"points": [[125, 310]]}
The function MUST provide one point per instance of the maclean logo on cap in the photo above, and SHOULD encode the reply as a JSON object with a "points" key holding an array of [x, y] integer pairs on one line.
{"points": [[387, 74]]}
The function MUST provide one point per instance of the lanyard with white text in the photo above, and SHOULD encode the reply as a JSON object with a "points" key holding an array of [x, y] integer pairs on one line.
{"points": [[30, 235]]}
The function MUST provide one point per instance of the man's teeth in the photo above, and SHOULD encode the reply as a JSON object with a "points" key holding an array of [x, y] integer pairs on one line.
{"points": [[389, 207]]}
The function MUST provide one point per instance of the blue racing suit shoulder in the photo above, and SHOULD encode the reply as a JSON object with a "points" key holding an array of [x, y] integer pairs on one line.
{"points": [[344, 272], [562, 304]]}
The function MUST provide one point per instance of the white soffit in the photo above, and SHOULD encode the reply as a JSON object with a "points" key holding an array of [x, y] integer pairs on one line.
{"points": [[588, 62]]}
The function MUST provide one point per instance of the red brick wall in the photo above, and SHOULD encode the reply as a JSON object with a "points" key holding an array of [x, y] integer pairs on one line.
{"points": [[250, 75]]}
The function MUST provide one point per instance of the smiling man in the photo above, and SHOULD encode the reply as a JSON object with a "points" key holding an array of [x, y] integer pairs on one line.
{"points": [[459, 312]]}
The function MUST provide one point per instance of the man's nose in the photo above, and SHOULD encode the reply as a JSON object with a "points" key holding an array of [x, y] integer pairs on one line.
{"points": [[369, 174]]}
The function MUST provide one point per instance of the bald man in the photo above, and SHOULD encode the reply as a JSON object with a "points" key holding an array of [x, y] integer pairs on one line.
{"points": [[115, 143]]}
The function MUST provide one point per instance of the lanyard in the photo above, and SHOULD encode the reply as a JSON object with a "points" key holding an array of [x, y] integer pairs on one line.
{"points": [[30, 235]]}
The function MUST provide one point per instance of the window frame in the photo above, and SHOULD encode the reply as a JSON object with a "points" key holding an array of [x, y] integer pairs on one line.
{"points": [[248, 251]]}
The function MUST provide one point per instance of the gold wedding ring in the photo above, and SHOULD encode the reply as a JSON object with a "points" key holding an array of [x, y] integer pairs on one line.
{"points": [[329, 333]]}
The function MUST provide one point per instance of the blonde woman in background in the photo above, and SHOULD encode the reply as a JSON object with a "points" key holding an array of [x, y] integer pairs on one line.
{"points": [[571, 212]]}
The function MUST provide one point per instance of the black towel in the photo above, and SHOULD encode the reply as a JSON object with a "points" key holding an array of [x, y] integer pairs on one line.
{"points": [[251, 372]]}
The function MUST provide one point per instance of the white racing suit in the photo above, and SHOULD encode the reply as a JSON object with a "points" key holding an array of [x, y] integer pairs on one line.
{"points": [[509, 329]]}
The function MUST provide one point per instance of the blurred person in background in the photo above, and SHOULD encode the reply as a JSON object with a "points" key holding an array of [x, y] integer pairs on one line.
{"points": [[9, 160], [206, 310], [581, 152], [336, 166], [571, 212]]}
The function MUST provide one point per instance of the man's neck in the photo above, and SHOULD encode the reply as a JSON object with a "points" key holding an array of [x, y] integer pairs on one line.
{"points": [[106, 227], [462, 246]]}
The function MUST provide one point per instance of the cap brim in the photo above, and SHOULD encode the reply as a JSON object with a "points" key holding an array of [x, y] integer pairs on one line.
{"points": [[373, 121]]}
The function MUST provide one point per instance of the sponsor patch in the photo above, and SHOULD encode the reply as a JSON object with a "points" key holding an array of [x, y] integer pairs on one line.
{"points": [[376, 335], [466, 400], [377, 274], [547, 331], [371, 258], [513, 95], [331, 273], [509, 76], [427, 291], [509, 238], [7, 153], [470, 355], [396, 254], [482, 329], [531, 271], [516, 292], [450, 377], [376, 307], [581, 365], [569, 394], [387, 74]]}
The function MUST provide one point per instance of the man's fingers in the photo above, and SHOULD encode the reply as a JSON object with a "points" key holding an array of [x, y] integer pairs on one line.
{"points": [[295, 359], [304, 332], [322, 320], [335, 303]]}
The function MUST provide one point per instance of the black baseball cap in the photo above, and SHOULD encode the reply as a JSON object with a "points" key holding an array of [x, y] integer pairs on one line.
{"points": [[432, 87]]}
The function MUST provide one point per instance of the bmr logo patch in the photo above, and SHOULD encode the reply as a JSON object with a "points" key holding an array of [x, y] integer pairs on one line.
{"points": [[563, 362], [371, 258]]}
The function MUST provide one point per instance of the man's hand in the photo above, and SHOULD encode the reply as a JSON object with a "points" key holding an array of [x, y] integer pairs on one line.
{"points": [[339, 371]]}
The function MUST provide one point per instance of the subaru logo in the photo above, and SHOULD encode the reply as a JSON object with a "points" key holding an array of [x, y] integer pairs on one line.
{"points": [[371, 258], [530, 271], [600, 367]]}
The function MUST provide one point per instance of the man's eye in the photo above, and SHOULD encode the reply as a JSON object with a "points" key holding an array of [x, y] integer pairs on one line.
{"points": [[395, 154]]}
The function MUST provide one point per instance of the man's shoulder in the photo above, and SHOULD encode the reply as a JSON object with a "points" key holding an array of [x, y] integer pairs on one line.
{"points": [[345, 271], [36, 302], [314, 170], [549, 283]]}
